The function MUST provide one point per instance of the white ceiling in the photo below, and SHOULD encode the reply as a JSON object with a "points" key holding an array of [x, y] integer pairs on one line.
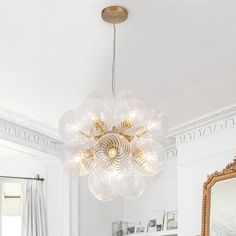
{"points": [[180, 56]]}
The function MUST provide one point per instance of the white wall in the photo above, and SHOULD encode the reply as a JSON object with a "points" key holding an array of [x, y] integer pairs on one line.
{"points": [[196, 160], [95, 216], [161, 194], [17, 163]]}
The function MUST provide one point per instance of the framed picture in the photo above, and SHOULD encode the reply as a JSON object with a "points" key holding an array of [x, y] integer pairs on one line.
{"points": [[159, 227], [119, 228], [141, 228], [155, 220], [131, 229], [171, 218]]}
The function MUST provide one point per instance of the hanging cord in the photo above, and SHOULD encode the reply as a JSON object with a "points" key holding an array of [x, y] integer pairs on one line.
{"points": [[114, 61]]}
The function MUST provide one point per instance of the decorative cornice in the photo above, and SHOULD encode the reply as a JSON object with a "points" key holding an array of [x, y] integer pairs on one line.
{"points": [[21, 130], [170, 149], [21, 120], [30, 138], [170, 153], [230, 168], [205, 126]]}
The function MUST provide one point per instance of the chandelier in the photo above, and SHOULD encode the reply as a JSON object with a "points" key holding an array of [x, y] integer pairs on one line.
{"points": [[117, 142]]}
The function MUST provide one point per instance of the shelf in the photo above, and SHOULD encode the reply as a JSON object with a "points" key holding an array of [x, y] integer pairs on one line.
{"points": [[173, 232]]}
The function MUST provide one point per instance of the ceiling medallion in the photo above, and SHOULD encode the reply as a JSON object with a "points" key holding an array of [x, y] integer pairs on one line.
{"points": [[117, 142]]}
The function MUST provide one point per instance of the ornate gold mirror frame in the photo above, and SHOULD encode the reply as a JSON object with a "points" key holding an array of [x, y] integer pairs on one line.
{"points": [[227, 173]]}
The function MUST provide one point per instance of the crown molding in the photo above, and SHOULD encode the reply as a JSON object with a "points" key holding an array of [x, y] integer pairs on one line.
{"points": [[30, 138], [170, 153], [204, 126], [27, 132], [24, 121], [21, 130], [170, 149]]}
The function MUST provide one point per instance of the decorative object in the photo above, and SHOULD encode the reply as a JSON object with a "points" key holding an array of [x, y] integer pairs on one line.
{"points": [[158, 227], [155, 220], [131, 229], [171, 219], [219, 194], [117, 142], [141, 228], [119, 228]]}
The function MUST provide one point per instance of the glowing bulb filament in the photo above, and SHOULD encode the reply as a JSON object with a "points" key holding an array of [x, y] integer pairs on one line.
{"points": [[81, 156], [99, 125], [141, 131], [128, 123], [112, 152]]}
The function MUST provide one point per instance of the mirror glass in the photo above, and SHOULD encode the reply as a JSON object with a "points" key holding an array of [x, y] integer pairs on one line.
{"points": [[223, 208]]}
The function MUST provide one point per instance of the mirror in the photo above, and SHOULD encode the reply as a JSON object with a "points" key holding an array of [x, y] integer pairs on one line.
{"points": [[223, 208], [219, 208]]}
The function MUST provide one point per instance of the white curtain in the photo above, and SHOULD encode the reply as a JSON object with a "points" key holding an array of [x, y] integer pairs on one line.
{"points": [[33, 210]]}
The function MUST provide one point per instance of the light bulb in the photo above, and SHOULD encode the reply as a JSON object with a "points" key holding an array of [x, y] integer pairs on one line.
{"points": [[113, 150], [112, 153], [79, 160], [147, 156], [91, 119], [131, 115]]}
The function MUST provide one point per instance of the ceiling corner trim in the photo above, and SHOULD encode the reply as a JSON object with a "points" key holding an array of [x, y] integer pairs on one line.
{"points": [[204, 126], [24, 121], [21, 130]]}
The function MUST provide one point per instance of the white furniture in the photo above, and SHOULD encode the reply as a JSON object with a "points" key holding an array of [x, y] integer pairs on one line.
{"points": [[173, 232]]}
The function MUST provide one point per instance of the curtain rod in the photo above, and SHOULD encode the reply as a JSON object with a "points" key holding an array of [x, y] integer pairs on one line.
{"points": [[14, 177]]}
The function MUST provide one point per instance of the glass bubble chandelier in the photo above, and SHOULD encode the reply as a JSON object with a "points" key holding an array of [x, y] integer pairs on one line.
{"points": [[117, 142]]}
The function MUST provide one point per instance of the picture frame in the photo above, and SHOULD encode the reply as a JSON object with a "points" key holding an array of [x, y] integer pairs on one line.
{"points": [[159, 227], [119, 228], [172, 220], [131, 228], [141, 228], [155, 220]]}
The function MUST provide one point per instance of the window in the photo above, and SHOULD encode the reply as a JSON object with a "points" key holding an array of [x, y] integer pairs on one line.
{"points": [[11, 209]]}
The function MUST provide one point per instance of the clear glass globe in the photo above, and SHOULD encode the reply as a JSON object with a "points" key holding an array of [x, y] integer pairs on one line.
{"points": [[69, 127], [100, 184], [125, 94], [80, 160], [91, 119], [158, 125], [147, 156], [113, 151], [132, 117], [98, 95], [95, 117], [129, 183], [112, 141]]}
